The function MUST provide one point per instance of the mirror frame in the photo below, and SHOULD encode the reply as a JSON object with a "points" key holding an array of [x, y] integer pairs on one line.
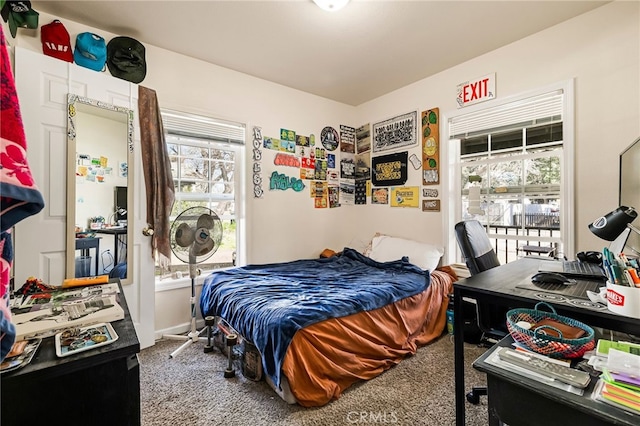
{"points": [[73, 102]]}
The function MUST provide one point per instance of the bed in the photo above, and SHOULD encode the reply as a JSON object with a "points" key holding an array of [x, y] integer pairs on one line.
{"points": [[323, 324]]}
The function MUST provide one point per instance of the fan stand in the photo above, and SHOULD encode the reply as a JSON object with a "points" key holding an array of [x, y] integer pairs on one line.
{"points": [[194, 335]]}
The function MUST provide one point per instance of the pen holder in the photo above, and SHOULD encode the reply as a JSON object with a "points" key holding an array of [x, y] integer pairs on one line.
{"points": [[623, 300]]}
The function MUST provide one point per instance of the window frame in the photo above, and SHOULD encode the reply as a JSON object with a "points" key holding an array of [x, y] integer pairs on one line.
{"points": [[452, 179], [203, 137]]}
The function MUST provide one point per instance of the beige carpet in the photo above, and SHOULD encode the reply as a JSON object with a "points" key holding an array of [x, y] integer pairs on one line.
{"points": [[191, 390]]}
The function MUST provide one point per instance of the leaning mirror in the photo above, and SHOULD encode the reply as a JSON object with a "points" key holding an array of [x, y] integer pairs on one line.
{"points": [[100, 154]]}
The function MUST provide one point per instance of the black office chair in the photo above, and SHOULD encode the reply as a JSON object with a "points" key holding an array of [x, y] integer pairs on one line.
{"points": [[479, 256]]}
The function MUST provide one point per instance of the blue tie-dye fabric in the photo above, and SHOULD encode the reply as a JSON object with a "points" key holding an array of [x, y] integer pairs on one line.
{"points": [[267, 304]]}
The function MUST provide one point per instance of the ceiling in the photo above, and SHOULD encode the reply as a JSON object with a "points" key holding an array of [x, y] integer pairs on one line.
{"points": [[363, 51]]}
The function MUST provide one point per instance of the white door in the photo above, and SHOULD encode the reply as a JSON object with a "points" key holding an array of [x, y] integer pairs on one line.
{"points": [[42, 83]]}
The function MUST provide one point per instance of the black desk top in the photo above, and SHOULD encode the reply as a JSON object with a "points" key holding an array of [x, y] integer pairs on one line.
{"points": [[498, 285], [46, 363], [112, 231], [583, 403]]}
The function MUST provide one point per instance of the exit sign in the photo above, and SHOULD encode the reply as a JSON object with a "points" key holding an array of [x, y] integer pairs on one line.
{"points": [[475, 91]]}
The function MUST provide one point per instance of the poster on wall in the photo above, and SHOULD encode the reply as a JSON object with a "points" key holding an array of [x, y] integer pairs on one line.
{"points": [[320, 194], [431, 147], [347, 191], [397, 132], [379, 195], [347, 166], [347, 139], [363, 138], [405, 196], [388, 170]]}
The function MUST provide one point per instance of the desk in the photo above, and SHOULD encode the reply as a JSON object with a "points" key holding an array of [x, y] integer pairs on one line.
{"points": [[510, 395], [97, 387], [498, 286], [85, 245], [117, 240]]}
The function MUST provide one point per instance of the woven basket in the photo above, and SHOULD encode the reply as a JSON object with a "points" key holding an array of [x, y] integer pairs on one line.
{"points": [[538, 341]]}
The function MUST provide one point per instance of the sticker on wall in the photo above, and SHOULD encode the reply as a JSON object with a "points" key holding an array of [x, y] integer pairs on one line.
{"points": [[430, 205], [429, 192], [360, 192], [334, 197], [379, 195], [347, 139], [258, 192], [302, 140], [286, 160], [287, 135], [123, 169], [363, 138], [321, 170], [333, 178], [391, 169], [329, 138], [405, 196], [431, 147], [331, 161], [415, 161], [320, 153], [397, 132], [271, 143], [283, 182]]}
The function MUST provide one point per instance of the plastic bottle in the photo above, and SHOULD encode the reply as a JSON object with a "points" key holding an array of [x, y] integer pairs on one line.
{"points": [[450, 315]]}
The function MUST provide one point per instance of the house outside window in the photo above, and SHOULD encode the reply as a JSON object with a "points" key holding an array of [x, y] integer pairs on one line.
{"points": [[511, 173], [206, 159]]}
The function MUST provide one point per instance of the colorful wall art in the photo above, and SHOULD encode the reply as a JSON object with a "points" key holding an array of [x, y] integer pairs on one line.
{"points": [[397, 132], [431, 147]]}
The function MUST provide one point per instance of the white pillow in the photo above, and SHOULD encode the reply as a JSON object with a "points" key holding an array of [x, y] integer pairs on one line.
{"points": [[386, 249]]}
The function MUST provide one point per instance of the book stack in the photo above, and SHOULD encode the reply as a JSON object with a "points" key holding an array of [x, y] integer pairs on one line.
{"points": [[619, 383]]}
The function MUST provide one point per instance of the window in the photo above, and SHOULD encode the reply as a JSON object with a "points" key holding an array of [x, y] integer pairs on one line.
{"points": [[206, 159], [511, 168]]}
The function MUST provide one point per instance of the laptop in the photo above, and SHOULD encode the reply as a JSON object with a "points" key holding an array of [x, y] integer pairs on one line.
{"points": [[574, 269]]}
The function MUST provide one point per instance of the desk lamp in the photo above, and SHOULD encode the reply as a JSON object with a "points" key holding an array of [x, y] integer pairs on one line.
{"points": [[616, 226]]}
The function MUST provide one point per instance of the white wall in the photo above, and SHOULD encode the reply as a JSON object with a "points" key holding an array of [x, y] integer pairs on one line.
{"points": [[600, 49]]}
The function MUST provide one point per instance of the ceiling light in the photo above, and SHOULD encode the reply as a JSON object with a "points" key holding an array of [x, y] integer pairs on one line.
{"points": [[331, 5]]}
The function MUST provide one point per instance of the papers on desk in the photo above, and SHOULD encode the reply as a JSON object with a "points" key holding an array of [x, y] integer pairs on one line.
{"points": [[494, 359], [47, 313], [619, 384]]}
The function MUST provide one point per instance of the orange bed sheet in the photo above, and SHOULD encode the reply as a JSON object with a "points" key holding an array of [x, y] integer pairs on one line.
{"points": [[326, 358]]}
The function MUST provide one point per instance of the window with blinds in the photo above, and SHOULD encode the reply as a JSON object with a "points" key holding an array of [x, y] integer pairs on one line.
{"points": [[511, 170], [205, 155]]}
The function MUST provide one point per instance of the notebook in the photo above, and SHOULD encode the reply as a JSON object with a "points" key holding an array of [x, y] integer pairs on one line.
{"points": [[574, 268]]}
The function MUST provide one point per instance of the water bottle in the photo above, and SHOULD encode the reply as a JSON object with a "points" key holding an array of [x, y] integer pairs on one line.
{"points": [[450, 315]]}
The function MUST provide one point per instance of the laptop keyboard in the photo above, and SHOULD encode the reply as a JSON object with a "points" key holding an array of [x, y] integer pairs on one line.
{"points": [[578, 268]]}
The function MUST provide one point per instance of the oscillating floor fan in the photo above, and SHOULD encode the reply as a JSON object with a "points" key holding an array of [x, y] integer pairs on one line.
{"points": [[195, 236]]}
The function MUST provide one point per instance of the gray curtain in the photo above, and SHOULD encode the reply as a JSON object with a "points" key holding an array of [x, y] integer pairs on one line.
{"points": [[157, 174]]}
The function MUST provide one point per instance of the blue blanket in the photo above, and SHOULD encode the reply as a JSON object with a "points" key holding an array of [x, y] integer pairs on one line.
{"points": [[267, 304]]}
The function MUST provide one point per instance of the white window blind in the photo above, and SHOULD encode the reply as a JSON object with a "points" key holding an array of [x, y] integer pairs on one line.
{"points": [[195, 126], [523, 113]]}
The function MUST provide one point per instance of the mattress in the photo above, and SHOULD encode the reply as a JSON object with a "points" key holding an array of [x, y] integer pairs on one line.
{"points": [[324, 324]]}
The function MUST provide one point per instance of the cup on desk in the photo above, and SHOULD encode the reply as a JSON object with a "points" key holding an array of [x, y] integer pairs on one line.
{"points": [[623, 300]]}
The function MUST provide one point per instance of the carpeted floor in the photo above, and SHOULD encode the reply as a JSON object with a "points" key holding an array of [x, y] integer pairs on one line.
{"points": [[191, 390]]}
